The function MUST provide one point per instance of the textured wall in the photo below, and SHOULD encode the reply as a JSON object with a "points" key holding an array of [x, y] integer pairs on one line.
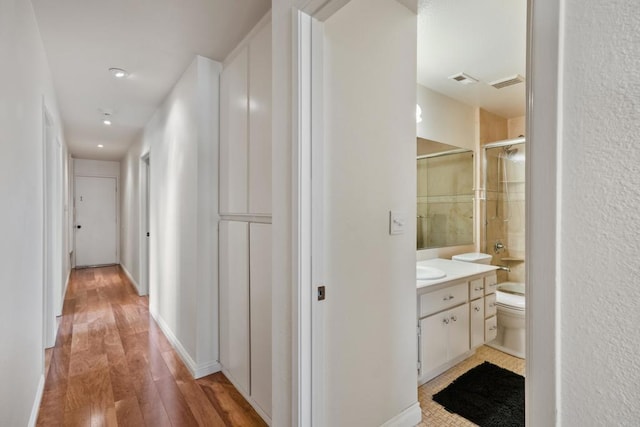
{"points": [[600, 224]]}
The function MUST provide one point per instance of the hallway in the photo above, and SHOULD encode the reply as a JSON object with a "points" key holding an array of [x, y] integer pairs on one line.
{"points": [[112, 365]]}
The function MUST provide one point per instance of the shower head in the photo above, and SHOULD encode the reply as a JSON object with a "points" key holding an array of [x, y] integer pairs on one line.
{"points": [[509, 152]]}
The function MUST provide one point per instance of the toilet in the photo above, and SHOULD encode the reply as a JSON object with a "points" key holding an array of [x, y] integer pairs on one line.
{"points": [[510, 304]]}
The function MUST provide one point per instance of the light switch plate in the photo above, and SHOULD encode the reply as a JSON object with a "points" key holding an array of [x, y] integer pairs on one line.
{"points": [[397, 222]]}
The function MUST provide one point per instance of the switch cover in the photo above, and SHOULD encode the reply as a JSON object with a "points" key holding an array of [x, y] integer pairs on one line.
{"points": [[397, 222]]}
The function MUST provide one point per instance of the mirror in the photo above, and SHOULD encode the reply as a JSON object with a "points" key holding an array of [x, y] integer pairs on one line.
{"points": [[445, 195]]}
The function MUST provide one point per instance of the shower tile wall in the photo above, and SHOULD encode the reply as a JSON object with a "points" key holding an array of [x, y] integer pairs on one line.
{"points": [[505, 216]]}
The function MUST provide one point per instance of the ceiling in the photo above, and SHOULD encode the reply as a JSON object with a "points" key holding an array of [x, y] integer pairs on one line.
{"points": [[484, 39], [154, 40]]}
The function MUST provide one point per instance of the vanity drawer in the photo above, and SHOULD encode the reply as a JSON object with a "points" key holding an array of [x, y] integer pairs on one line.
{"points": [[490, 305], [442, 299], [490, 328], [476, 288], [490, 284]]}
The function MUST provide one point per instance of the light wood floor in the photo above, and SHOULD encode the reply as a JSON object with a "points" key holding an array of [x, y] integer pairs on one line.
{"points": [[112, 366], [433, 414]]}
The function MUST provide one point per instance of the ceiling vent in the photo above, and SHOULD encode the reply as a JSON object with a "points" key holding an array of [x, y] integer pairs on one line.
{"points": [[463, 78], [508, 81]]}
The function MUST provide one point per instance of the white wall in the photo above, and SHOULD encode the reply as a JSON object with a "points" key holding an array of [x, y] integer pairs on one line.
{"points": [[446, 120], [370, 169], [181, 139], [24, 85], [130, 234], [600, 201], [83, 167]]}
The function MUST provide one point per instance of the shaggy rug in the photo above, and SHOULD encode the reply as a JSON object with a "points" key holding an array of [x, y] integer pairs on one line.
{"points": [[487, 395]]}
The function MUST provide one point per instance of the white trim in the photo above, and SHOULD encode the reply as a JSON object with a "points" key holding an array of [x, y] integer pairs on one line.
{"points": [[261, 219], [305, 224], [144, 191], [316, 189], [266, 19], [408, 418], [197, 370], [131, 279], [35, 409], [247, 397], [544, 65]]}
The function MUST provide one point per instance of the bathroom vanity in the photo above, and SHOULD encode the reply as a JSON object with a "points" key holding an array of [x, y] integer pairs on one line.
{"points": [[456, 313]]}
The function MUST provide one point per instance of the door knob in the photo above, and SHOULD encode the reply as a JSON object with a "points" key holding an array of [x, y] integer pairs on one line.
{"points": [[78, 226]]}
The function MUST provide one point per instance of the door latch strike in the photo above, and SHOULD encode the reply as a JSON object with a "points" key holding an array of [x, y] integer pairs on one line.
{"points": [[321, 293]]}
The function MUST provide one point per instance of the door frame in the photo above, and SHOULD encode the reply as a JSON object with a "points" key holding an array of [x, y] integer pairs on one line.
{"points": [[294, 225], [145, 192], [52, 257]]}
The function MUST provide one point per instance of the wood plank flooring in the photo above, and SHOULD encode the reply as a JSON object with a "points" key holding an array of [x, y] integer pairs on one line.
{"points": [[112, 366]]}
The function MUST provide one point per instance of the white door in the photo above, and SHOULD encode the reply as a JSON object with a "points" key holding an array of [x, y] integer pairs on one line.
{"points": [[96, 221]]}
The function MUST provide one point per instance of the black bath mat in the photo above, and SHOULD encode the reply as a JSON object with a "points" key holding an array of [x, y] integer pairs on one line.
{"points": [[487, 395]]}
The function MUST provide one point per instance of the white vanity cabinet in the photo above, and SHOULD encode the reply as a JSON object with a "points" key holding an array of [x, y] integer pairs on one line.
{"points": [[447, 336], [456, 315]]}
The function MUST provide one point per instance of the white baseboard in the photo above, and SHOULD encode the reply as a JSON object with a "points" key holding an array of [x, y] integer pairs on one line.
{"points": [[196, 370], [248, 398], [131, 279], [36, 403], [410, 417]]}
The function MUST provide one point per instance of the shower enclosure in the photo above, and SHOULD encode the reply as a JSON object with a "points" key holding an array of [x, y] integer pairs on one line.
{"points": [[504, 206]]}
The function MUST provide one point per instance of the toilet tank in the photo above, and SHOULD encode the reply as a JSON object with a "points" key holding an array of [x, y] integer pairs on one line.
{"points": [[475, 257]]}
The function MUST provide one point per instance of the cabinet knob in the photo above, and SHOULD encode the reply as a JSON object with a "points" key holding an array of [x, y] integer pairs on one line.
{"points": [[476, 308], [454, 318], [447, 298], [477, 289], [445, 321], [493, 328]]}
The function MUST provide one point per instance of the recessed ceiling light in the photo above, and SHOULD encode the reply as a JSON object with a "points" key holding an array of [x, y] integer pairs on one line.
{"points": [[119, 73], [100, 145], [106, 119]]}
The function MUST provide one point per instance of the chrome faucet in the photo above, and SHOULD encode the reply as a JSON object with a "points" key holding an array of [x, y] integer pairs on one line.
{"points": [[504, 268]]}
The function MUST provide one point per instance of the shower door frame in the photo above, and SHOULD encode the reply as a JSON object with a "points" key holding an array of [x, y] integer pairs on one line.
{"points": [[483, 215]]}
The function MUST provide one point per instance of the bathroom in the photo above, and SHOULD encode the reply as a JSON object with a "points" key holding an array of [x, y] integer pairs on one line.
{"points": [[471, 183]]}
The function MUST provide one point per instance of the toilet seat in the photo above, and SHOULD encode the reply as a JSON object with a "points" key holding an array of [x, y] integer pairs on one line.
{"points": [[510, 301]]}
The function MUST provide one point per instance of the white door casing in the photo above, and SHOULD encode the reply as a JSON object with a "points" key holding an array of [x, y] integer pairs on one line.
{"points": [[96, 221]]}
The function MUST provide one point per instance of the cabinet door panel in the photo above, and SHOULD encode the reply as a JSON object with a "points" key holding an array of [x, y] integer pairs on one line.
{"points": [[458, 331], [233, 135], [441, 299], [260, 274], [490, 284], [260, 122], [477, 322], [491, 328], [476, 288], [433, 346], [490, 308], [234, 301]]}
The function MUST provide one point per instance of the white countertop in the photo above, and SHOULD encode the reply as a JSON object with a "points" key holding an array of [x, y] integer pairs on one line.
{"points": [[455, 270]]}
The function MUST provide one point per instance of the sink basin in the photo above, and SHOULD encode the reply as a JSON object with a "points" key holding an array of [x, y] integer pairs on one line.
{"points": [[429, 273]]}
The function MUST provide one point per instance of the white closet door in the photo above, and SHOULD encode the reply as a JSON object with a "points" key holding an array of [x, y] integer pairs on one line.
{"points": [[234, 135], [260, 122], [260, 277], [234, 302]]}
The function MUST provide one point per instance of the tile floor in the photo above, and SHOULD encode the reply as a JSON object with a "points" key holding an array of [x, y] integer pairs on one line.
{"points": [[434, 414]]}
